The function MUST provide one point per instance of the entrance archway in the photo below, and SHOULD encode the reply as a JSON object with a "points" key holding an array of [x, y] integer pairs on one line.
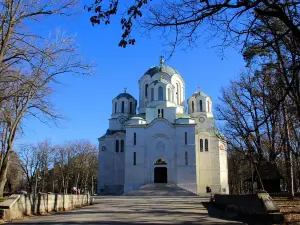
{"points": [[160, 175]]}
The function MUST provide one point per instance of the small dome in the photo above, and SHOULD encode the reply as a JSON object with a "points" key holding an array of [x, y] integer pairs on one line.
{"points": [[200, 93], [125, 95], [165, 69]]}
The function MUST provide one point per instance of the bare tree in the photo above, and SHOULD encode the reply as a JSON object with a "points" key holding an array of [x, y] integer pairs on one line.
{"points": [[184, 18], [30, 65], [254, 125], [34, 160], [75, 165]]}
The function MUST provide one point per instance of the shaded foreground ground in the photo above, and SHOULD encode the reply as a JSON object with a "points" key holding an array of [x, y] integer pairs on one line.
{"points": [[133, 210], [289, 208]]}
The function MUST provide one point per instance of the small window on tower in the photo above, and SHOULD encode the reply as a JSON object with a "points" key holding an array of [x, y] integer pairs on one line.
{"points": [[201, 108], [185, 138], [158, 113], [116, 107], [162, 113], [122, 109], [206, 145], [130, 108], [193, 107], [201, 145], [146, 90]]}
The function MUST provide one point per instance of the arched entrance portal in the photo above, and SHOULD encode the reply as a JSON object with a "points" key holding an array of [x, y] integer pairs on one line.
{"points": [[160, 175]]}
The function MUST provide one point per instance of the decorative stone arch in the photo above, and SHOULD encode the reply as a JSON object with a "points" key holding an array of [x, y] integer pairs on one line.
{"points": [[115, 106], [161, 148], [190, 100], [170, 92], [146, 79], [179, 84], [160, 162]]}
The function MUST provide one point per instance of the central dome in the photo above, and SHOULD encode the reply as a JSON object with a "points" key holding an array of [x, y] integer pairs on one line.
{"points": [[164, 69]]}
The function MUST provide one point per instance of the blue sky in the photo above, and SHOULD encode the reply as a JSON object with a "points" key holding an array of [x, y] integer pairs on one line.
{"points": [[85, 102]]}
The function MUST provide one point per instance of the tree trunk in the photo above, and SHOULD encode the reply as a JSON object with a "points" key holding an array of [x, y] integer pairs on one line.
{"points": [[92, 188], [2, 184], [3, 173], [288, 154]]}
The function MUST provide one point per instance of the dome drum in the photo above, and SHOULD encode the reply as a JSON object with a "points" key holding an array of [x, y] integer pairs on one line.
{"points": [[199, 102], [161, 83], [124, 103]]}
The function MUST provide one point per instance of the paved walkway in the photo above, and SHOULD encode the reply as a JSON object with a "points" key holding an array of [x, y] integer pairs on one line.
{"points": [[133, 210]]}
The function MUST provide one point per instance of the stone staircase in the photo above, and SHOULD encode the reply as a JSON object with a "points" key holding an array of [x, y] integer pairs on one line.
{"points": [[160, 190]]}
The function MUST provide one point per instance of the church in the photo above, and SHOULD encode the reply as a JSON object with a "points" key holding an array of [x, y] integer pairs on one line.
{"points": [[162, 139]]}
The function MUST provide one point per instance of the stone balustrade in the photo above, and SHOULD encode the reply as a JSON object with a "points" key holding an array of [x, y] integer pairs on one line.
{"points": [[18, 206]]}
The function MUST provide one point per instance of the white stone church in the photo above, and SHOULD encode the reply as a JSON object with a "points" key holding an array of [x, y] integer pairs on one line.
{"points": [[162, 143]]}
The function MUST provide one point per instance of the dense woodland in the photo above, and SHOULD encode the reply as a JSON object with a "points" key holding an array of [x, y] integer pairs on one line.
{"points": [[259, 114], [57, 169]]}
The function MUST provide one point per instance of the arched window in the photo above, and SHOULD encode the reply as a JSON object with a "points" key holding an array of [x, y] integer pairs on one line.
{"points": [[186, 158], [117, 145], [169, 94], [146, 90], [130, 108], [193, 107], [201, 145], [122, 146], [116, 107], [152, 94], [160, 94], [122, 109], [206, 145], [201, 108]]}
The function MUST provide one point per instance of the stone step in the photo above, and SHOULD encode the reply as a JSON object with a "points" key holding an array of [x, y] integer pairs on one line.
{"points": [[160, 190]]}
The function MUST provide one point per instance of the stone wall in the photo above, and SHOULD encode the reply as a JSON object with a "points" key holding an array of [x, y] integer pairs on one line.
{"points": [[18, 206]]}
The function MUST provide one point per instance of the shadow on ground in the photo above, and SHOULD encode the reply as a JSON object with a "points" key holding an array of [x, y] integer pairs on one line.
{"points": [[131, 210]]}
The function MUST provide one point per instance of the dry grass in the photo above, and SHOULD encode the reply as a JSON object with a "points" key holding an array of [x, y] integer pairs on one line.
{"points": [[290, 209], [2, 199]]}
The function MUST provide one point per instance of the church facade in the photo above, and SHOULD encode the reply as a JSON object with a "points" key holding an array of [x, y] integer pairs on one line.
{"points": [[168, 141]]}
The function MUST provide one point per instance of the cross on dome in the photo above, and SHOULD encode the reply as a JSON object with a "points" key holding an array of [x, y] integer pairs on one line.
{"points": [[161, 61], [198, 89], [125, 89]]}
